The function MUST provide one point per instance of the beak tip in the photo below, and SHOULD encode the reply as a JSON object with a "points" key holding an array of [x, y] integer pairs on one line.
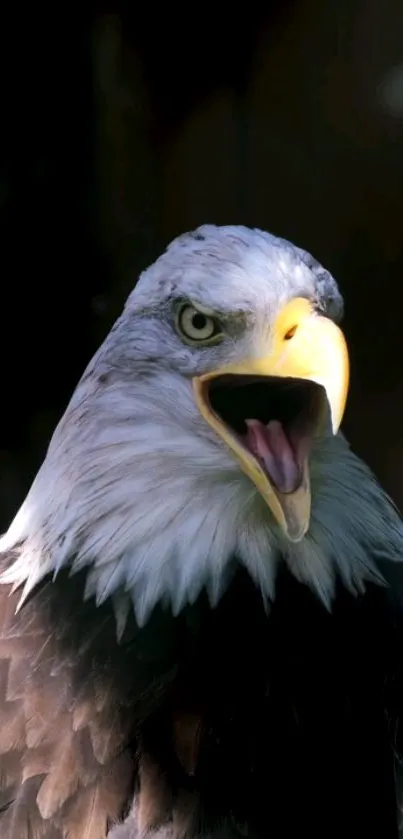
{"points": [[297, 533]]}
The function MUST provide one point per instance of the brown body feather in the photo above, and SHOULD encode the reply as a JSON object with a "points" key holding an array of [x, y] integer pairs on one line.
{"points": [[65, 767], [218, 723]]}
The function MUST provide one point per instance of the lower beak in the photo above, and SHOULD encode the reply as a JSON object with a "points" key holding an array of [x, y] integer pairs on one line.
{"points": [[302, 345]]}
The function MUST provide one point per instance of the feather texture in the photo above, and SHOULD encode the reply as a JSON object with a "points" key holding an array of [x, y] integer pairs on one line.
{"points": [[191, 722], [56, 782]]}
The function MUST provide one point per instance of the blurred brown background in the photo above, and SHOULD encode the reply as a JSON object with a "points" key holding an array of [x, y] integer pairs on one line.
{"points": [[124, 128]]}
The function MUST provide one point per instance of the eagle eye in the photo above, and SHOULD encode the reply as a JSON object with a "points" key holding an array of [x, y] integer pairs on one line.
{"points": [[196, 326]]}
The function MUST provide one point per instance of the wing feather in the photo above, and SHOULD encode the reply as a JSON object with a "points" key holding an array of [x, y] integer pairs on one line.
{"points": [[66, 770]]}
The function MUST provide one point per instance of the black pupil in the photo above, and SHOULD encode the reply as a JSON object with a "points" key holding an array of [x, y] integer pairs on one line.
{"points": [[199, 321]]}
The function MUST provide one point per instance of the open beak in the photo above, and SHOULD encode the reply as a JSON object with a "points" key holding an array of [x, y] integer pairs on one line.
{"points": [[269, 408]]}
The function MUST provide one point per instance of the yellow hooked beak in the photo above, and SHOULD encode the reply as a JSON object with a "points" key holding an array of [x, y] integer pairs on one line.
{"points": [[303, 346]]}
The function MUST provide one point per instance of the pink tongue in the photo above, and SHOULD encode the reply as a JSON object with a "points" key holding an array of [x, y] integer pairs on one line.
{"points": [[271, 447]]}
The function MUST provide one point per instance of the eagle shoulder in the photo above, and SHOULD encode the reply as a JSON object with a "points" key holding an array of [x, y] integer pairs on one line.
{"points": [[66, 769]]}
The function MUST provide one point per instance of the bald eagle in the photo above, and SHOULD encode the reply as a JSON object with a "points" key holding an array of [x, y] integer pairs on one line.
{"points": [[200, 629]]}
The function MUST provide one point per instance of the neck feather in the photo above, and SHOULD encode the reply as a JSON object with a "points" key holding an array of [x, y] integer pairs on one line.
{"points": [[156, 512]]}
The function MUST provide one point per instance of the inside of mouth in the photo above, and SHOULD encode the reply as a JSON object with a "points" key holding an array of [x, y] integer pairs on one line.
{"points": [[275, 419]]}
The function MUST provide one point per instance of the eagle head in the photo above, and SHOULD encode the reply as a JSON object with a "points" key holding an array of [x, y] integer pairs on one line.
{"points": [[205, 433]]}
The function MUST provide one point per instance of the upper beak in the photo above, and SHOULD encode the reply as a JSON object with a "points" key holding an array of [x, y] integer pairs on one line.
{"points": [[302, 345]]}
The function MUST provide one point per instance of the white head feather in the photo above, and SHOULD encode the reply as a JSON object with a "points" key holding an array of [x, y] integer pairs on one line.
{"points": [[139, 490]]}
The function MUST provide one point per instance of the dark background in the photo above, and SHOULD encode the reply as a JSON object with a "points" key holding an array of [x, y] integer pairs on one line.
{"points": [[121, 129]]}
